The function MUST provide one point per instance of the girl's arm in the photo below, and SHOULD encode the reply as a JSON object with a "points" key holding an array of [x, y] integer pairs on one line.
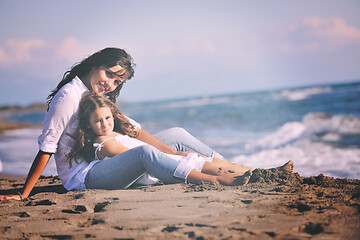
{"points": [[110, 148], [151, 140], [36, 169]]}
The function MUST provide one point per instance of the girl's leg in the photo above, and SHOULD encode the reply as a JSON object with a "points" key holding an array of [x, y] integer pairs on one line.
{"points": [[222, 166], [224, 179], [198, 177], [122, 170]]}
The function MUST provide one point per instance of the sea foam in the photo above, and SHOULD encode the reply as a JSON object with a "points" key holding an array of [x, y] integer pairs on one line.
{"points": [[300, 94], [198, 102], [315, 126]]}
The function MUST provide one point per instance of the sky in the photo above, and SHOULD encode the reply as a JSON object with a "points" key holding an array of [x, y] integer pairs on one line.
{"points": [[181, 48]]}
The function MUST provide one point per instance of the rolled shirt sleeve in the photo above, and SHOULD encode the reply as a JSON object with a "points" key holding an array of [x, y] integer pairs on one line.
{"points": [[133, 122]]}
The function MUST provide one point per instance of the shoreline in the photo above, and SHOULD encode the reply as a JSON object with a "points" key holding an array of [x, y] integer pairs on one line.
{"points": [[10, 125], [272, 206], [7, 111]]}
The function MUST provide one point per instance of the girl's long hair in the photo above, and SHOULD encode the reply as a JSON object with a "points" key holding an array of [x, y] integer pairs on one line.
{"points": [[84, 136], [108, 58]]}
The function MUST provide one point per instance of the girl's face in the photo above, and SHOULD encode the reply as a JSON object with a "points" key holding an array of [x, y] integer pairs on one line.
{"points": [[104, 80], [102, 121]]}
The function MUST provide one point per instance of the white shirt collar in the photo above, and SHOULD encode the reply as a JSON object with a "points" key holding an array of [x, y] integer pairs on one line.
{"points": [[77, 81]]}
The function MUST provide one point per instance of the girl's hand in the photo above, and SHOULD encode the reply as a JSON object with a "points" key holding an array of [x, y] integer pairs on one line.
{"points": [[185, 153], [10, 197]]}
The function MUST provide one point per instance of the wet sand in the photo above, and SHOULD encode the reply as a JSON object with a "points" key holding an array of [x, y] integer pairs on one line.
{"points": [[274, 205]]}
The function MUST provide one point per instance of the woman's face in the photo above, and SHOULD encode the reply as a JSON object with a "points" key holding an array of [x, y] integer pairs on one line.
{"points": [[104, 80], [102, 121]]}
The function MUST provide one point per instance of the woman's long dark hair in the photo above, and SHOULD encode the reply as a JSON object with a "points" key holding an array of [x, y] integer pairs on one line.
{"points": [[84, 135], [107, 57]]}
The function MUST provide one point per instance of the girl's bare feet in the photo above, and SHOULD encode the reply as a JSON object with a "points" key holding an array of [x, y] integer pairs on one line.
{"points": [[230, 180], [287, 167], [243, 179]]}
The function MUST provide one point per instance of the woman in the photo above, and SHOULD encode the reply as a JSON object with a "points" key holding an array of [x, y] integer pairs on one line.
{"points": [[104, 72]]}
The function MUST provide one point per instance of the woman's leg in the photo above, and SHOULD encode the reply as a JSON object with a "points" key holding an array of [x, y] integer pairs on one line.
{"points": [[122, 170], [180, 140], [223, 166]]}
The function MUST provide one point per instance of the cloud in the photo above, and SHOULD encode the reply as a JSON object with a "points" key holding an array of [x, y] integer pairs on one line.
{"points": [[335, 30], [71, 49], [34, 52], [316, 34], [16, 51]]}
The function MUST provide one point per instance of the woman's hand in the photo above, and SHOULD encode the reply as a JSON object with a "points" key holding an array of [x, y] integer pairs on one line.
{"points": [[10, 197]]}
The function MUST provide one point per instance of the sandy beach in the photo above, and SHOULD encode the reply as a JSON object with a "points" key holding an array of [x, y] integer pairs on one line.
{"points": [[274, 205]]}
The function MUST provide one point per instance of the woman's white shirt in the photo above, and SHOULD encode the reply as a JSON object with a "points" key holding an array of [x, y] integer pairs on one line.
{"points": [[62, 107]]}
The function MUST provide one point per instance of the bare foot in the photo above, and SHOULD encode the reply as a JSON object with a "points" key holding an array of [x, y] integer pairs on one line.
{"points": [[287, 167], [243, 179]]}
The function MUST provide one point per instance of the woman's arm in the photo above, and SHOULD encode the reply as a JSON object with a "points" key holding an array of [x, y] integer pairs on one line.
{"points": [[36, 169]]}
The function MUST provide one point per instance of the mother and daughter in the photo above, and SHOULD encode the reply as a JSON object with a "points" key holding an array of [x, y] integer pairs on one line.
{"points": [[97, 147]]}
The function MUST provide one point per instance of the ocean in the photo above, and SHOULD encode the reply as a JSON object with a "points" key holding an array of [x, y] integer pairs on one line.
{"points": [[317, 127]]}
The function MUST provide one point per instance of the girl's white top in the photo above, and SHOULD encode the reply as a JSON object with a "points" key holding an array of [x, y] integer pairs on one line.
{"points": [[59, 125]]}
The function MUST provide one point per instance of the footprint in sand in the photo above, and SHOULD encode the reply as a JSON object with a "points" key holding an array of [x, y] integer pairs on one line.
{"points": [[99, 207], [312, 228], [120, 228], [4, 229], [57, 236], [78, 196], [45, 202], [271, 234], [91, 222], [248, 201], [78, 209], [21, 214], [170, 229]]}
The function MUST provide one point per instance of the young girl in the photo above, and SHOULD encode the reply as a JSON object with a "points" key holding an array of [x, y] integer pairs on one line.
{"points": [[104, 132]]}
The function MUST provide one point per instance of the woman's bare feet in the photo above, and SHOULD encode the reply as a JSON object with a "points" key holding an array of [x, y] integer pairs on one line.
{"points": [[287, 167]]}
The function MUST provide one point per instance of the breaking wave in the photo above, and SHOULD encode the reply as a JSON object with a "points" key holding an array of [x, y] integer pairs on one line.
{"points": [[301, 94]]}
